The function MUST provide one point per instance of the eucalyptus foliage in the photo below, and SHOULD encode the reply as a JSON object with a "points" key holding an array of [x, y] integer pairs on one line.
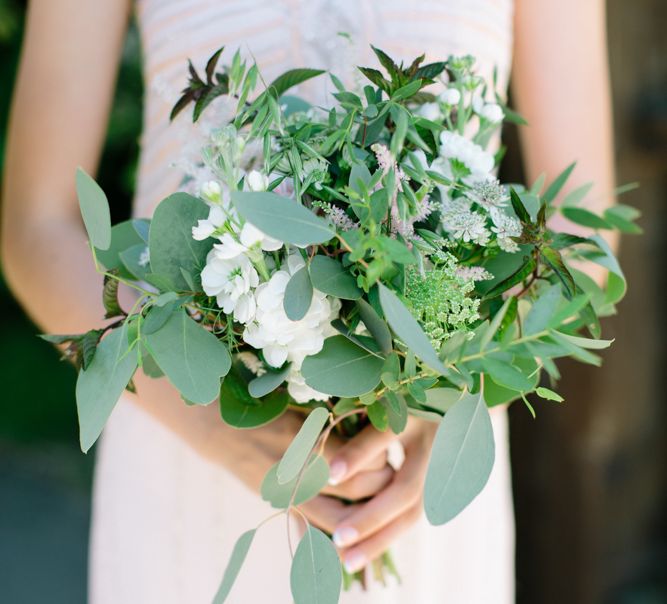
{"points": [[361, 261]]}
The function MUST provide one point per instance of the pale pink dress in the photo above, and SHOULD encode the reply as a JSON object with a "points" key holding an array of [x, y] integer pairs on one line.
{"points": [[164, 519]]}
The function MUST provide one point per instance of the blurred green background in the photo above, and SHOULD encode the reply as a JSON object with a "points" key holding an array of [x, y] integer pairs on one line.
{"points": [[590, 477]]}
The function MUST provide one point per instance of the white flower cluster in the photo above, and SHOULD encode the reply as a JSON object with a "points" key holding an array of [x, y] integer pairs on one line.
{"points": [[467, 224], [283, 340], [232, 275], [479, 162]]}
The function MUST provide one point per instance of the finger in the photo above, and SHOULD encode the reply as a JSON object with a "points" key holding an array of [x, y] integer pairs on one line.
{"points": [[334, 444], [401, 494], [326, 512], [362, 485], [361, 554], [355, 455]]}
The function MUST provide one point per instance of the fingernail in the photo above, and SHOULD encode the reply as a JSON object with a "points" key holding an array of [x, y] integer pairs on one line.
{"points": [[337, 470], [345, 536], [354, 562]]}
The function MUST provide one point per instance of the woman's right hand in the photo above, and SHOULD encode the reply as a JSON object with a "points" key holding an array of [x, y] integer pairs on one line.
{"points": [[249, 454]]}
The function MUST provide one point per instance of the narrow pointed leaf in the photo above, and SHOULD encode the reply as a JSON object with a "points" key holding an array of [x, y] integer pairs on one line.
{"points": [[94, 210], [554, 188], [234, 565], [407, 328], [299, 450], [375, 325]]}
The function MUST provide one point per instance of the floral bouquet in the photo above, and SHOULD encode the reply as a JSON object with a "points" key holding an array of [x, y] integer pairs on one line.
{"points": [[360, 261]]}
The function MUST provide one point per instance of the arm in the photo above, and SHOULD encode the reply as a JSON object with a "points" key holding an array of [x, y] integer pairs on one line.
{"points": [[561, 86], [58, 121]]}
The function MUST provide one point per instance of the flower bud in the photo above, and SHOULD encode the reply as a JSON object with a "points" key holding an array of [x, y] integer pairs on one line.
{"points": [[256, 181], [492, 112], [451, 96], [211, 191]]}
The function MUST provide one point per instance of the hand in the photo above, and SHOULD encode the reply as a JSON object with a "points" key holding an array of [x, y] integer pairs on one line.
{"points": [[364, 531]]}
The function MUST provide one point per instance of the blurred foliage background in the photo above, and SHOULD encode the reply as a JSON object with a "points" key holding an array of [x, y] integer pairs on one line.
{"points": [[590, 476]]}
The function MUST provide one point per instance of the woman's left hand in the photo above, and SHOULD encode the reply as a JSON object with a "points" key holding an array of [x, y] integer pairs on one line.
{"points": [[369, 529]]}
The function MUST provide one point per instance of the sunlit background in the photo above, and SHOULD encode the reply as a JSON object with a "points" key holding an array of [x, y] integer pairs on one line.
{"points": [[590, 475]]}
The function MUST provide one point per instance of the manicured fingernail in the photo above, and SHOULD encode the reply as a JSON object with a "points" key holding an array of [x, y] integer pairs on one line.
{"points": [[337, 470], [344, 536], [354, 562]]}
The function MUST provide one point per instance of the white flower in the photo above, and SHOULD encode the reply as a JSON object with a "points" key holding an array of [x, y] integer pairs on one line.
{"points": [[299, 390], [473, 273], [247, 241], [451, 96], [231, 280], [492, 112], [430, 111], [205, 228], [505, 227], [257, 181], [467, 226], [283, 340], [479, 162], [211, 191]]}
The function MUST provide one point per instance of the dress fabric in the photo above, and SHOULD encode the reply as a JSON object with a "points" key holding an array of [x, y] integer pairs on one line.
{"points": [[164, 519]]}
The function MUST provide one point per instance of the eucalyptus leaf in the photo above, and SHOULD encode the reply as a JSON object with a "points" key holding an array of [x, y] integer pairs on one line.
{"points": [[342, 368], [191, 357], [315, 477], [375, 325], [461, 460], [240, 410], [329, 277], [407, 328], [171, 245], [267, 383], [239, 553], [99, 387], [316, 576], [282, 218], [299, 449], [298, 295], [123, 236], [94, 210]]}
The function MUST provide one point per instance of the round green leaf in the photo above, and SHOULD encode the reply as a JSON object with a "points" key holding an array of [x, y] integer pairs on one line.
{"points": [[298, 295], [316, 574], [94, 210], [461, 459], [342, 369], [99, 387], [191, 357], [172, 248], [329, 277], [282, 218], [314, 479], [240, 410], [123, 236]]}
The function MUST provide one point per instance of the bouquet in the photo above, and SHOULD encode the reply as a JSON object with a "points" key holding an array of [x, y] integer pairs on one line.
{"points": [[359, 261]]}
